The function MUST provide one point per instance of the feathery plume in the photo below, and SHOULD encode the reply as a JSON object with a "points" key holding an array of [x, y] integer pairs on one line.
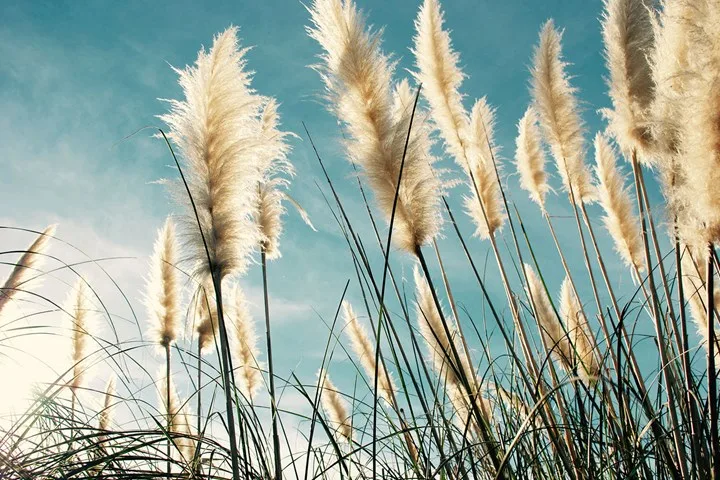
{"points": [[275, 180], [443, 358], [441, 78], [530, 158], [579, 332], [614, 197], [435, 336], [206, 320], [669, 65], [560, 121], [162, 289], [468, 139], [81, 311], [186, 444], [363, 348], [336, 408], [357, 76], [105, 416], [28, 265], [700, 134], [216, 129], [554, 338], [488, 217], [694, 267], [247, 367], [628, 37]]}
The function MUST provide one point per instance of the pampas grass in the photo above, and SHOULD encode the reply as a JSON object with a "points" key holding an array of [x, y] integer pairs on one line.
{"points": [[81, 312], [476, 391], [365, 351], [336, 408], [247, 367], [438, 72], [694, 267], [163, 289], [628, 37], [485, 204], [28, 265], [700, 135], [579, 333], [206, 321], [358, 79], [530, 158], [554, 337], [555, 102], [271, 190], [216, 129], [614, 197]]}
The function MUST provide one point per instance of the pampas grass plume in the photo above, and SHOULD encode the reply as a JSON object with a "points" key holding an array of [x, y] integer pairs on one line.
{"points": [[436, 62], [335, 407], [614, 197], [557, 108], [28, 265], [363, 348], [216, 129], [555, 339], [358, 77], [488, 217], [579, 332], [275, 180], [206, 321], [81, 311], [162, 295], [628, 36], [530, 158], [247, 367]]}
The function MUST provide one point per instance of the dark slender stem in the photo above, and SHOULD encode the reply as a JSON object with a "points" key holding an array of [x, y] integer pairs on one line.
{"points": [[273, 405], [168, 412], [712, 373], [227, 387]]}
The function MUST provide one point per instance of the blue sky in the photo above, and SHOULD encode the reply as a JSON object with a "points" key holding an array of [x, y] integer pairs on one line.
{"points": [[78, 78]]}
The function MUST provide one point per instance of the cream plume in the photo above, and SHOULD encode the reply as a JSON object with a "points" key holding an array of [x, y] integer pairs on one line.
{"points": [[530, 158], [700, 133], [554, 338], [186, 444], [435, 335], [206, 321], [488, 217], [357, 76], [364, 349], [628, 36], [81, 311], [105, 417], [669, 65], [468, 139], [444, 360], [336, 408], [216, 129], [275, 181], [245, 352], [579, 332], [441, 79], [694, 267], [27, 267], [162, 295], [560, 121], [620, 220]]}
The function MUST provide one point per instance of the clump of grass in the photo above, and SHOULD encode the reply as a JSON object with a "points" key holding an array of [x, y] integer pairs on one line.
{"points": [[527, 385]]}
